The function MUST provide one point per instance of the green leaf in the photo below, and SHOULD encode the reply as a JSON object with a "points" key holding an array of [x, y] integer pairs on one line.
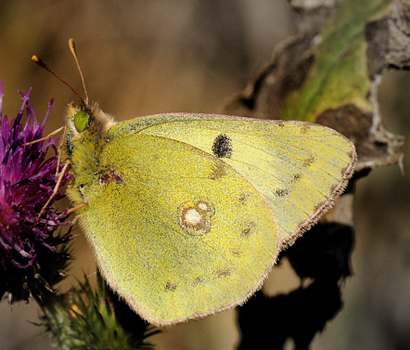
{"points": [[338, 75]]}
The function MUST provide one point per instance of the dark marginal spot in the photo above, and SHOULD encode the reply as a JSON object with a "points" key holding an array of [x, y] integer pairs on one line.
{"points": [[296, 177], [282, 192], [236, 253], [248, 228], [198, 280], [246, 231], [281, 124], [242, 198], [170, 286], [309, 161], [223, 272], [305, 128], [222, 146]]}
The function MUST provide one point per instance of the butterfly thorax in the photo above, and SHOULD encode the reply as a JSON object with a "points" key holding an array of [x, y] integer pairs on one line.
{"points": [[83, 148]]}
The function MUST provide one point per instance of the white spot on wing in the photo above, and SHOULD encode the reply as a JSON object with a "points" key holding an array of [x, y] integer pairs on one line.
{"points": [[194, 217]]}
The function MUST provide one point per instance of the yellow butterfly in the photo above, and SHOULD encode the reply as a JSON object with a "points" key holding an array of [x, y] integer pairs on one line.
{"points": [[187, 213]]}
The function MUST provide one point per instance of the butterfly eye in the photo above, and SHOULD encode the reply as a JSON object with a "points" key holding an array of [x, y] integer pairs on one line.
{"points": [[81, 120]]}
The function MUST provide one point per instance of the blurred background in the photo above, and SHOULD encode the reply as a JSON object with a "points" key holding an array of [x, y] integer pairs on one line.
{"points": [[145, 57]]}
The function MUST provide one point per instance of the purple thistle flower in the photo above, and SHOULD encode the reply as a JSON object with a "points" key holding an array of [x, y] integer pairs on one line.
{"points": [[27, 181]]}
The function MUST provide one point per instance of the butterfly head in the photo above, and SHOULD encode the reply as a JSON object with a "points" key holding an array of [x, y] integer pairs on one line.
{"points": [[79, 117], [83, 118]]}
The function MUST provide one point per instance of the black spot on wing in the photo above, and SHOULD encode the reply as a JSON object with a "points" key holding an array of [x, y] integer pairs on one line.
{"points": [[222, 146]]}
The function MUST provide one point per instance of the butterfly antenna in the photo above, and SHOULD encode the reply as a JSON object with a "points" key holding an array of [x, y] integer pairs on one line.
{"points": [[74, 52], [37, 60]]}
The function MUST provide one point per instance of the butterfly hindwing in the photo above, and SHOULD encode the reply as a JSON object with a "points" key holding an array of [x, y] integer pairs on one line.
{"points": [[198, 235]]}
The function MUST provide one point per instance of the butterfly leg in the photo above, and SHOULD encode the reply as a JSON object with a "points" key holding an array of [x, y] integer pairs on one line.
{"points": [[72, 210], [45, 137], [55, 190]]}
